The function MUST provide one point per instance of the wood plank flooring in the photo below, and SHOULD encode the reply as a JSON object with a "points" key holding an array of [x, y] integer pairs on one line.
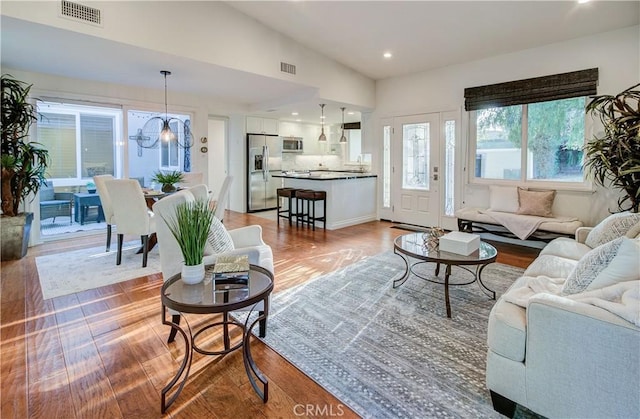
{"points": [[102, 353]]}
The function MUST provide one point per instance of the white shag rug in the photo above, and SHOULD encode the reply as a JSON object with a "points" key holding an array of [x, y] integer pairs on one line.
{"points": [[80, 270]]}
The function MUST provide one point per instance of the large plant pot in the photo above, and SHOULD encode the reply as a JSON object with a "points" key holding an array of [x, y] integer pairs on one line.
{"points": [[14, 235]]}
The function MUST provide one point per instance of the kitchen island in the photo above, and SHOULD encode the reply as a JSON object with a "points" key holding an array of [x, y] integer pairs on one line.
{"points": [[351, 196]]}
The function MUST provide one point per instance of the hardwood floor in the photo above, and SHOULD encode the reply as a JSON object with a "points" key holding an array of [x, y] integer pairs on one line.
{"points": [[102, 353]]}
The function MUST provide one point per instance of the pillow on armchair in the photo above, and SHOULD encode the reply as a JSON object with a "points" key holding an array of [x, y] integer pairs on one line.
{"points": [[219, 239]]}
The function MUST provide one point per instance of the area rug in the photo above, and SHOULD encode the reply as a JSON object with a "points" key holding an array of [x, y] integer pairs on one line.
{"points": [[390, 353], [80, 270]]}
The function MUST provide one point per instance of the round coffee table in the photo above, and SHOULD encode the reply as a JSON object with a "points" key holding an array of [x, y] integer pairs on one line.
{"points": [[412, 246], [209, 297]]}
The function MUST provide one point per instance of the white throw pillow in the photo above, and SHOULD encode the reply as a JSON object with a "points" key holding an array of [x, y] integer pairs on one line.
{"points": [[634, 232], [503, 198], [608, 264], [219, 238], [612, 227]]}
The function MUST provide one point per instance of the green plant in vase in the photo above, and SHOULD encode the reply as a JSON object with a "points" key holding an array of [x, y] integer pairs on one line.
{"points": [[190, 226], [23, 165], [168, 180], [614, 157]]}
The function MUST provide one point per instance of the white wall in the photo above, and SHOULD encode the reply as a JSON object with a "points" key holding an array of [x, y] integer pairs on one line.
{"points": [[211, 32], [616, 54]]}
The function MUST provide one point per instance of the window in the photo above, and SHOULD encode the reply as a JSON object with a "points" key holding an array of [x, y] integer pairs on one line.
{"points": [[81, 140], [386, 167], [415, 165], [450, 161], [535, 142], [530, 130]]}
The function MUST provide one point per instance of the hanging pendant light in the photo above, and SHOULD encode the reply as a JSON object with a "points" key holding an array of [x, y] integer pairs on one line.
{"points": [[322, 137], [166, 134], [158, 128], [343, 139]]}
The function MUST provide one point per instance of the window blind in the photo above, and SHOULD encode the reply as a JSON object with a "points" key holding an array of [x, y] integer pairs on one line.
{"points": [[534, 90]]}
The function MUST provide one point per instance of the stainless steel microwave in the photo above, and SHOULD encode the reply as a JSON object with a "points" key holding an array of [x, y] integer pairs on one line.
{"points": [[292, 145]]}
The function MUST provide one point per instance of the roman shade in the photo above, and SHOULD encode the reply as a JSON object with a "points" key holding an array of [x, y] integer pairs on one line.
{"points": [[538, 89]]}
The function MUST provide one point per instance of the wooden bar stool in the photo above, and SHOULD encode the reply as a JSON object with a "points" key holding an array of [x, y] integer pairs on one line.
{"points": [[308, 215], [289, 194]]}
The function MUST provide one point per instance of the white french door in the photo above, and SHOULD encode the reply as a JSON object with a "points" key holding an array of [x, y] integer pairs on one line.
{"points": [[415, 177]]}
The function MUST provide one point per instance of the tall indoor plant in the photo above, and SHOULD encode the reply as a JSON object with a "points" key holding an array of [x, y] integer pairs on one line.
{"points": [[614, 157], [190, 226], [22, 163]]}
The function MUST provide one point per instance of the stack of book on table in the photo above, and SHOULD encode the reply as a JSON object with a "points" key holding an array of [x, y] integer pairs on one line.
{"points": [[231, 273]]}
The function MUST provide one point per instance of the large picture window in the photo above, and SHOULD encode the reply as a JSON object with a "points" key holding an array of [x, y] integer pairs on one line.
{"points": [[81, 141], [541, 141], [530, 130]]}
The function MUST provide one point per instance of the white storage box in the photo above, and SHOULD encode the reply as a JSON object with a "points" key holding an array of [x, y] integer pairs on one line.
{"points": [[459, 243]]}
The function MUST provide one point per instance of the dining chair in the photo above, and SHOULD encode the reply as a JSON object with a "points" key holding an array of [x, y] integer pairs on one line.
{"points": [[131, 214], [223, 196], [244, 241], [105, 200], [190, 179]]}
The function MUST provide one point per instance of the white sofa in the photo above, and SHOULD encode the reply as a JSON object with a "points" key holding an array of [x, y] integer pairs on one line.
{"points": [[562, 351]]}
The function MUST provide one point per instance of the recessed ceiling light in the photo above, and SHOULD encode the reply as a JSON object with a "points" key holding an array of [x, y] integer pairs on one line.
{"points": [[294, 113], [387, 55], [583, 1], [322, 117], [298, 120], [350, 113]]}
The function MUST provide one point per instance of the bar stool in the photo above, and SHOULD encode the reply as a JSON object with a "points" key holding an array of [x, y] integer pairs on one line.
{"points": [[310, 197], [290, 194]]}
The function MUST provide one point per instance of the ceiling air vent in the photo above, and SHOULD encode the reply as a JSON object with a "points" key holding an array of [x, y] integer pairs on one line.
{"points": [[287, 68], [81, 12]]}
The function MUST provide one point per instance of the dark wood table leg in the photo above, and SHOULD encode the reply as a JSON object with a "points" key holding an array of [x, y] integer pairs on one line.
{"points": [[153, 240], [446, 290]]}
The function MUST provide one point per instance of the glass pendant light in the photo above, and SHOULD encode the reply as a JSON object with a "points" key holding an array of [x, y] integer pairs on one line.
{"points": [[166, 134], [343, 139], [322, 137]]}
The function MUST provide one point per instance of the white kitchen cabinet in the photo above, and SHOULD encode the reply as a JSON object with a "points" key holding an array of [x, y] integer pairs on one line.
{"points": [[256, 125], [290, 129]]}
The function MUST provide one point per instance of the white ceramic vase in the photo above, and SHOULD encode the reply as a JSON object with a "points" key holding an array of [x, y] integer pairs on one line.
{"points": [[193, 274]]}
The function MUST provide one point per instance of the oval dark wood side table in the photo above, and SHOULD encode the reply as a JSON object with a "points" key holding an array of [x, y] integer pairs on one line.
{"points": [[210, 298], [412, 246]]}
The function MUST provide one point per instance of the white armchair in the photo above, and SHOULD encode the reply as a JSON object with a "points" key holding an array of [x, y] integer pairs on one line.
{"points": [[246, 241]]}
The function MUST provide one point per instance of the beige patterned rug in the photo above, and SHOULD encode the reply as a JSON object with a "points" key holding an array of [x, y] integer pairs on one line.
{"points": [[80, 270]]}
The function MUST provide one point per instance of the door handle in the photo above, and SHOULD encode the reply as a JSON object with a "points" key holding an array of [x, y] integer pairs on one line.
{"points": [[435, 172]]}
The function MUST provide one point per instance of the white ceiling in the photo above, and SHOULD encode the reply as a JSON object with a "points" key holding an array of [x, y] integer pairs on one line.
{"points": [[422, 35]]}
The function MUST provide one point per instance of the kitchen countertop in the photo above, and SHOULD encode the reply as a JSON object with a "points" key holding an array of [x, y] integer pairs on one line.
{"points": [[323, 175]]}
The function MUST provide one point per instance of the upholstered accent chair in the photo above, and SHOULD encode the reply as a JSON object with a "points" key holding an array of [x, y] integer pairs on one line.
{"points": [[241, 241], [131, 214], [105, 200], [54, 204]]}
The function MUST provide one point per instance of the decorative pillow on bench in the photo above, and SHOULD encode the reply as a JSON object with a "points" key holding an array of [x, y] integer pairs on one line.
{"points": [[537, 203]]}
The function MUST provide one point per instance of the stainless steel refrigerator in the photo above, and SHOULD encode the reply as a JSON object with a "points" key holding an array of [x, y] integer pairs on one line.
{"points": [[264, 157]]}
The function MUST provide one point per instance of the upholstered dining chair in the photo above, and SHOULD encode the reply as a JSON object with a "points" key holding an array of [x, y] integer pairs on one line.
{"points": [[105, 200], [241, 241], [131, 214], [222, 198], [190, 179]]}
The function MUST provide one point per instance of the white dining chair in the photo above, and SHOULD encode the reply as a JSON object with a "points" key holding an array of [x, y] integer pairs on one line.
{"points": [[222, 198], [105, 200], [131, 214], [190, 179]]}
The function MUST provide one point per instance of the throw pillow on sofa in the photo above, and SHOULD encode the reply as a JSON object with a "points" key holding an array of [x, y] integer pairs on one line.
{"points": [[537, 203], [219, 238], [612, 227], [503, 198], [608, 264]]}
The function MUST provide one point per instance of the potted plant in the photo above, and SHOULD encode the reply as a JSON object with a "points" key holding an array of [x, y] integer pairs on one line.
{"points": [[168, 179], [22, 164], [190, 226], [614, 156]]}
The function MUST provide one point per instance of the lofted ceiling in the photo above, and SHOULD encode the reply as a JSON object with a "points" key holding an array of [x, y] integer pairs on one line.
{"points": [[421, 35]]}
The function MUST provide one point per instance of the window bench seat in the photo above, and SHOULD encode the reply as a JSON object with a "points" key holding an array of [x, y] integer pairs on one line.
{"points": [[476, 220]]}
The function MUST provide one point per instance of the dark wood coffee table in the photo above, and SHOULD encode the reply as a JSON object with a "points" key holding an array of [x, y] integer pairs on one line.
{"points": [[205, 298], [412, 246]]}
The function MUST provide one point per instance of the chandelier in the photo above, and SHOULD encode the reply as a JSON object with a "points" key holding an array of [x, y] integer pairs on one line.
{"points": [[169, 130]]}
